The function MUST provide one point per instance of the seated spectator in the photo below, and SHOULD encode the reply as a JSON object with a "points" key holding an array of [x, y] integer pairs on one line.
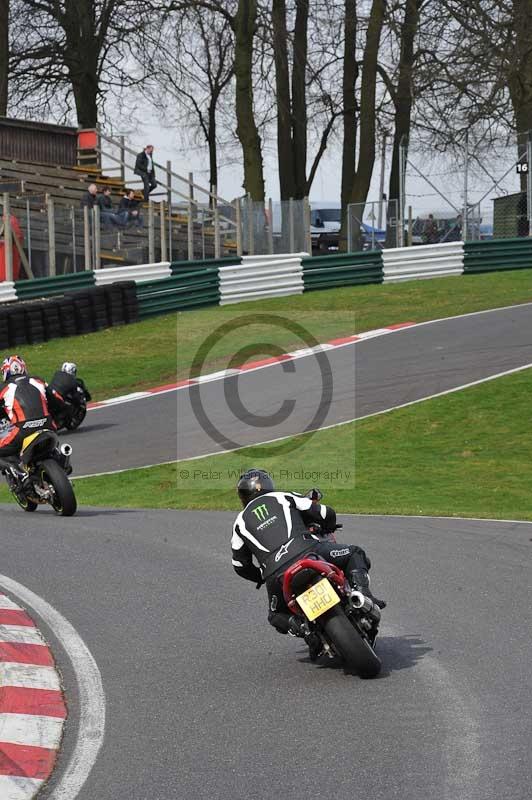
{"points": [[128, 210], [90, 198], [107, 216]]}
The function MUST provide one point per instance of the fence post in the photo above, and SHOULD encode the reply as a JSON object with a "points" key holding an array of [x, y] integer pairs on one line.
{"points": [[216, 222], [163, 232], [306, 218], [51, 234], [28, 230], [122, 158], [97, 240], [251, 226], [74, 243], [291, 232], [169, 201], [349, 232], [8, 241], [402, 181], [381, 184], [238, 219], [466, 189], [151, 233], [410, 223], [87, 237], [190, 221], [529, 181], [270, 226]]}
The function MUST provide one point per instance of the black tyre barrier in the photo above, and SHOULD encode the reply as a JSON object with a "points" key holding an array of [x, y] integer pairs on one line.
{"points": [[71, 314]]}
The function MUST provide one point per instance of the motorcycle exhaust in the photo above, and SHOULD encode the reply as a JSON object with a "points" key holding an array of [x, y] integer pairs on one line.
{"points": [[363, 603], [66, 451]]}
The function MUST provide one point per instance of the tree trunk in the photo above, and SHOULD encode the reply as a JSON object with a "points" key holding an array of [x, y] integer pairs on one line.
{"points": [[366, 156], [4, 55], [404, 97], [520, 78], [282, 84], [82, 50], [299, 99], [244, 27], [211, 140], [350, 76]]}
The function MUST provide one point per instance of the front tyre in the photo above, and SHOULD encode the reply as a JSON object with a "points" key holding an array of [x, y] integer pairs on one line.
{"points": [[63, 499], [349, 644]]}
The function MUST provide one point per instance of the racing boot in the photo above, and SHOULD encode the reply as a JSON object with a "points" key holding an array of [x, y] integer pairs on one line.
{"points": [[359, 579], [296, 627]]}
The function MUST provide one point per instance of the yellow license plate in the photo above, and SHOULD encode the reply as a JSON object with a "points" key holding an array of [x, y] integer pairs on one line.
{"points": [[318, 599]]}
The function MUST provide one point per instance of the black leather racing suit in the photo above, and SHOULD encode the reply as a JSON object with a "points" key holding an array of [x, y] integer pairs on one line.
{"points": [[67, 385], [274, 528]]}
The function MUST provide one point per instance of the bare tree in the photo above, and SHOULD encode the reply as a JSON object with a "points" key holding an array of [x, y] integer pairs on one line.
{"points": [[4, 55], [189, 59], [357, 172], [78, 46]]}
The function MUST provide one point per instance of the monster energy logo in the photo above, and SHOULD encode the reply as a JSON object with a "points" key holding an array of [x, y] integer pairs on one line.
{"points": [[261, 512]]}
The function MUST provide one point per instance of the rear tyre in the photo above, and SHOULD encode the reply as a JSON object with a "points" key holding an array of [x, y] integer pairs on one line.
{"points": [[350, 646], [77, 418], [64, 499]]}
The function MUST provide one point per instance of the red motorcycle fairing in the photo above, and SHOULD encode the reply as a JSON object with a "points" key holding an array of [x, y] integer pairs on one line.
{"points": [[333, 573]]}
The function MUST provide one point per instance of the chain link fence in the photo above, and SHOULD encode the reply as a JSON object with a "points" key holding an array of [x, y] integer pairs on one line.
{"points": [[482, 191]]}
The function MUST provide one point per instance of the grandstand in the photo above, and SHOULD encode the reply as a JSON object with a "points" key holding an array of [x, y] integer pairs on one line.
{"points": [[46, 170]]}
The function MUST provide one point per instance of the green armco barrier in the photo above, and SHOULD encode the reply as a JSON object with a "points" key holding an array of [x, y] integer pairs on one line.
{"points": [[228, 261], [343, 269], [498, 254], [191, 288], [47, 287]]}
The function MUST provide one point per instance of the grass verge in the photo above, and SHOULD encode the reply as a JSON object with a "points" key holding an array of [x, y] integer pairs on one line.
{"points": [[162, 350], [464, 454]]}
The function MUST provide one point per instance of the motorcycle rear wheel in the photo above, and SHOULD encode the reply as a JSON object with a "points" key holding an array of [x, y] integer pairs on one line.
{"points": [[64, 502], [355, 651], [76, 419]]}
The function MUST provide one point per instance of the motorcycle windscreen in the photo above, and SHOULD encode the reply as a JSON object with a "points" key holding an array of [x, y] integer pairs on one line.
{"points": [[318, 599], [38, 445]]}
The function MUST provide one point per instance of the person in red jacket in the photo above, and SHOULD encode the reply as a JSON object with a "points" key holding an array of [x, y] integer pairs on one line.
{"points": [[23, 406]]}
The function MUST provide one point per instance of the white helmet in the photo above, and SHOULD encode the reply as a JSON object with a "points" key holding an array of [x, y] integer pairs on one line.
{"points": [[69, 367]]}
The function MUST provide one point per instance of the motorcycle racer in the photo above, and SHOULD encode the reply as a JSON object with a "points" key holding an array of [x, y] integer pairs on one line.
{"points": [[274, 528], [23, 406], [66, 382]]}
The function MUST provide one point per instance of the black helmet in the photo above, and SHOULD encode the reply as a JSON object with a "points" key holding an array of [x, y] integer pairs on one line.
{"points": [[253, 483]]}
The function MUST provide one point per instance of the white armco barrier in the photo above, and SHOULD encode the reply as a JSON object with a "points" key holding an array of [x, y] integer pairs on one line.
{"points": [[424, 261], [137, 272], [7, 291], [261, 276]]}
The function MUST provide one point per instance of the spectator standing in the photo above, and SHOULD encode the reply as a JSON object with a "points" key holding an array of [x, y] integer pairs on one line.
{"points": [[145, 168], [128, 210], [430, 232], [107, 215], [90, 198]]}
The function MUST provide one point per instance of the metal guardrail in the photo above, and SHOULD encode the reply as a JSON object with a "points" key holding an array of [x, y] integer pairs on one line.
{"points": [[498, 254], [193, 288], [425, 261], [347, 269], [258, 277]]}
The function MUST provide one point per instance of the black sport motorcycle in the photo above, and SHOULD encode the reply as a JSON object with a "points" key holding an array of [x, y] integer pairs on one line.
{"points": [[69, 414], [41, 475]]}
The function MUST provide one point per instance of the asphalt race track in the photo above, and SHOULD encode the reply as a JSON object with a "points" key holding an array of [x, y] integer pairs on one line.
{"points": [[205, 700], [367, 377]]}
